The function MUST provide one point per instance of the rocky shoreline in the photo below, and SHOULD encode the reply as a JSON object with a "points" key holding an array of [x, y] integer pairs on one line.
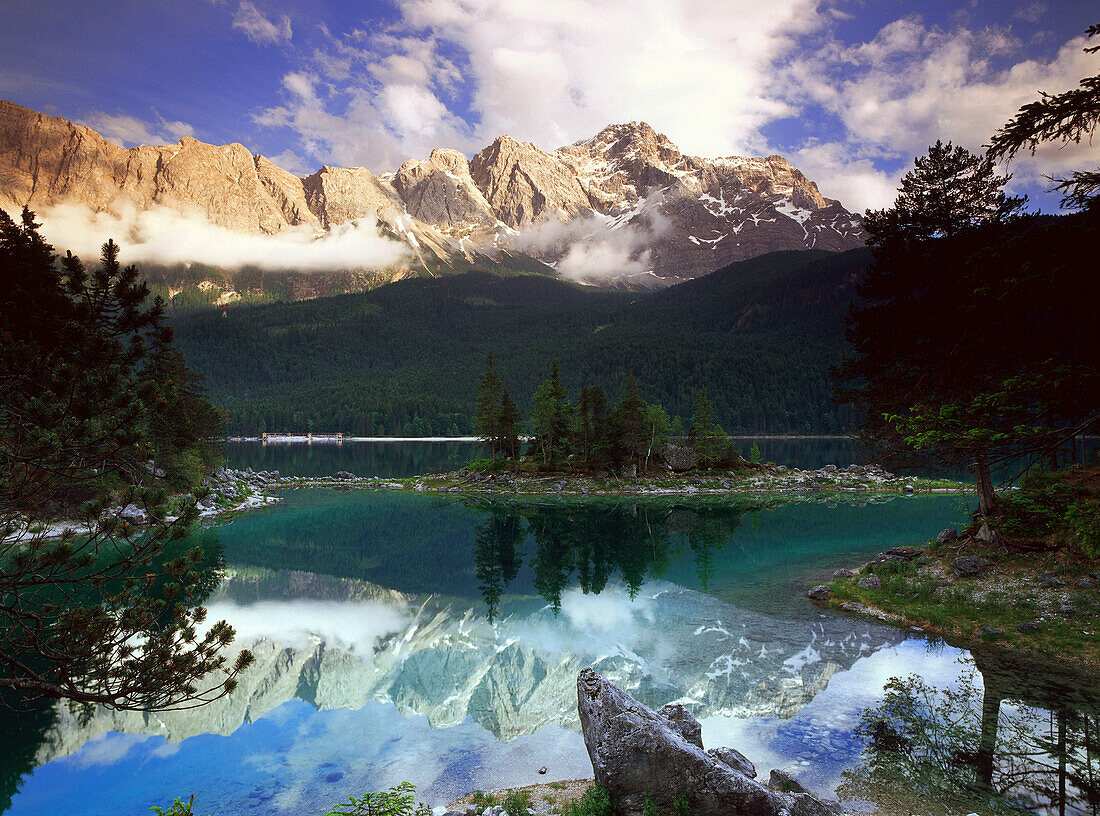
{"points": [[754, 480]]}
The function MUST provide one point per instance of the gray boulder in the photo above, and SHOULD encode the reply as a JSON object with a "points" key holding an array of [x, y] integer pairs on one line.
{"points": [[683, 723], [947, 536], [634, 751], [785, 783], [1049, 579], [735, 759], [821, 592], [133, 514], [969, 565], [843, 573], [679, 458], [869, 582]]}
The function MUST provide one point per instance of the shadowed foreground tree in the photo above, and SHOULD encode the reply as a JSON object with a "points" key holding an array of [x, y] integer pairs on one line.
{"points": [[99, 609], [938, 320], [1068, 118]]}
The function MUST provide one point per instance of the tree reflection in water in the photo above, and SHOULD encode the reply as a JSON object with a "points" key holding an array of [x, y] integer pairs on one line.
{"points": [[1026, 738], [590, 543]]}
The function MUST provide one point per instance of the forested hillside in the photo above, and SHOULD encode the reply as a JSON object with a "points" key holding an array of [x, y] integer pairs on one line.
{"points": [[406, 358]]}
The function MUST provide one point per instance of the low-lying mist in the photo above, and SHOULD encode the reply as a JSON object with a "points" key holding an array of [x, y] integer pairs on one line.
{"points": [[164, 236]]}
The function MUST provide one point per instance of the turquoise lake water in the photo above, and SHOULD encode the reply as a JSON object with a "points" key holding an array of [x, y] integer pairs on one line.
{"points": [[401, 636]]}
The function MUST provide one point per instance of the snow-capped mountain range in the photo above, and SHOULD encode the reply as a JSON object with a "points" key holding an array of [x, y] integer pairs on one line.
{"points": [[625, 205]]}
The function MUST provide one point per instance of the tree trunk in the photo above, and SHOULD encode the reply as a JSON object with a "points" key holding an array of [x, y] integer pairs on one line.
{"points": [[987, 499]]}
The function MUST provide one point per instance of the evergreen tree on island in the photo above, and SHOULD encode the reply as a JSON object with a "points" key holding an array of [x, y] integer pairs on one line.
{"points": [[551, 417], [705, 435]]}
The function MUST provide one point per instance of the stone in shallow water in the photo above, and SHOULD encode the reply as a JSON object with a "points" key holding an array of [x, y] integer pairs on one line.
{"points": [[821, 592], [843, 573]]}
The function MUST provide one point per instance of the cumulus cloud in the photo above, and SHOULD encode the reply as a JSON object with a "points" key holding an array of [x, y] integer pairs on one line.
{"points": [[544, 72], [129, 131], [164, 236], [259, 28], [913, 84]]}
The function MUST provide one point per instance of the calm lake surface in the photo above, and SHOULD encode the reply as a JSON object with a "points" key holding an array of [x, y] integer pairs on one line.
{"points": [[403, 636]]}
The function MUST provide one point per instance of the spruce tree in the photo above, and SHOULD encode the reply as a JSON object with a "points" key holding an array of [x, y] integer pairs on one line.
{"points": [[487, 412], [705, 435], [508, 426], [629, 426], [551, 417], [91, 402]]}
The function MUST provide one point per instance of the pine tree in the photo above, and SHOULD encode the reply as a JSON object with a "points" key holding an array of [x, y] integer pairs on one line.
{"points": [[108, 613], [508, 426], [551, 417], [600, 446], [1068, 118], [487, 412], [705, 435], [629, 426]]}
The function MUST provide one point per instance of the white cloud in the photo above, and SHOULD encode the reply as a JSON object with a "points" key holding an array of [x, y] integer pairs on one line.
{"points": [[551, 73], [911, 85], [584, 249], [129, 131], [458, 73], [164, 236], [258, 28]]}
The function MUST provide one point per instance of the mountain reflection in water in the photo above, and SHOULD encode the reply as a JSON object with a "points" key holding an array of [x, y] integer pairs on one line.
{"points": [[403, 636]]}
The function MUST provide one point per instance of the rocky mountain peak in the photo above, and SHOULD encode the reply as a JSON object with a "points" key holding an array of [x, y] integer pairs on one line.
{"points": [[626, 177]]}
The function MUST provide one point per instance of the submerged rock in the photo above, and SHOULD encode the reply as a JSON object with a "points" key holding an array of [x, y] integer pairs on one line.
{"points": [[635, 752]]}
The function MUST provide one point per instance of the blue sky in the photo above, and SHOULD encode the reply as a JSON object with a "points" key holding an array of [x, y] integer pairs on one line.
{"points": [[849, 90]]}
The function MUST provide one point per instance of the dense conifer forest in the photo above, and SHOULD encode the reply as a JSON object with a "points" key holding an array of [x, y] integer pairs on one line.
{"points": [[406, 358]]}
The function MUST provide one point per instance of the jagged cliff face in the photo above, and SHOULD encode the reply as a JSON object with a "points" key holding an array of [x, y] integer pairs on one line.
{"points": [[514, 677], [685, 216]]}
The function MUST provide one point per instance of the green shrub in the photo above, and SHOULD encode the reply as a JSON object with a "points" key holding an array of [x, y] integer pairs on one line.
{"points": [[397, 801], [680, 806], [595, 801], [1083, 519], [179, 808], [481, 799], [517, 803]]}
